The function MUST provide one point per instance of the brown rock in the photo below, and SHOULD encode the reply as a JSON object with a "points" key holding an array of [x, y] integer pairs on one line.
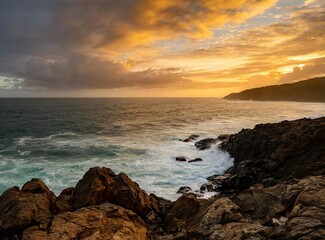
{"points": [[19, 209], [96, 187], [106, 221], [64, 201], [307, 218], [100, 185], [261, 203], [184, 211]]}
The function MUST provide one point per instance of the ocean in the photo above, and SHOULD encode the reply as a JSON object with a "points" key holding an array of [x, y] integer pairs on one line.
{"points": [[58, 140]]}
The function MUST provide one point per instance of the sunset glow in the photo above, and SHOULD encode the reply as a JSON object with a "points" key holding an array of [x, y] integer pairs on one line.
{"points": [[165, 48]]}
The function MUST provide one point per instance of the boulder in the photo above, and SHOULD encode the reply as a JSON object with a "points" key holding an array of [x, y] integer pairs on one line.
{"points": [[205, 143], [181, 159], [100, 185], [105, 221], [33, 205]]}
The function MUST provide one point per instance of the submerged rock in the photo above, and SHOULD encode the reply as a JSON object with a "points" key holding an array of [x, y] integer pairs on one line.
{"points": [[191, 138], [195, 160], [205, 143]]}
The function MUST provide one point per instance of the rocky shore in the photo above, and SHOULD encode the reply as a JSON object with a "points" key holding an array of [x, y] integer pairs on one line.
{"points": [[275, 190]]}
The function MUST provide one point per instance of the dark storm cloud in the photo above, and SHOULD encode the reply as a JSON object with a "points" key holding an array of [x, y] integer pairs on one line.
{"points": [[52, 43]]}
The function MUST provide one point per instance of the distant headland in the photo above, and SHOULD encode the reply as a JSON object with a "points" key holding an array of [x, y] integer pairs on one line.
{"points": [[311, 90]]}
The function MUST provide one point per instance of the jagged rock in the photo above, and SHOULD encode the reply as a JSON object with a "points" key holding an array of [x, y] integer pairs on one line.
{"points": [[205, 143], [280, 151], [195, 160], [163, 203], [64, 201], [307, 218], [184, 189], [181, 159], [105, 221], [101, 185], [261, 203], [32, 205], [184, 211], [96, 187], [191, 138]]}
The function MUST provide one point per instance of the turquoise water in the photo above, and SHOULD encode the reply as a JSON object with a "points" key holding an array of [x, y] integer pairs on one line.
{"points": [[57, 140]]}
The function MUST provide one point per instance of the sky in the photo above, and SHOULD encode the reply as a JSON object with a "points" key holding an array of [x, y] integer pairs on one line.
{"points": [[157, 48]]}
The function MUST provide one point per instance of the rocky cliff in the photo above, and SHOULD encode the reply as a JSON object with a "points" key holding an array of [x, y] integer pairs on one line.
{"points": [[275, 190]]}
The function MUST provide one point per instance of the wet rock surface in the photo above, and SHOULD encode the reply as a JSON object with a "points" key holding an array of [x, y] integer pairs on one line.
{"points": [[275, 192], [195, 160], [191, 138], [184, 189], [205, 143], [180, 159]]}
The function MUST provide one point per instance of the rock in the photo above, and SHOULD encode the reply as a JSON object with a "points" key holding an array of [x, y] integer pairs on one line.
{"points": [[96, 187], [105, 221], [307, 218], [163, 203], [19, 209], [64, 201], [280, 151], [208, 187], [205, 143], [100, 185], [183, 212], [261, 203], [223, 137], [184, 190], [191, 138], [195, 160], [130, 196], [181, 159]]}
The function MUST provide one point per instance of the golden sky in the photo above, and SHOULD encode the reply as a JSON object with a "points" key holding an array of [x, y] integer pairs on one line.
{"points": [[160, 48]]}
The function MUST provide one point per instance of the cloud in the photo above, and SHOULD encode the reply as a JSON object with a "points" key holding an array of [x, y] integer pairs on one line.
{"points": [[83, 72], [305, 72], [79, 44], [132, 23]]}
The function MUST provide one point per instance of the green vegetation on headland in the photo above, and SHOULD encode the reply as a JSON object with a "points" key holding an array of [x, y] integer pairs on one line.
{"points": [[311, 90]]}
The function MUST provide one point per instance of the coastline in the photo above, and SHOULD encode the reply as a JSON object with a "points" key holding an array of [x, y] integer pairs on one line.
{"points": [[275, 190]]}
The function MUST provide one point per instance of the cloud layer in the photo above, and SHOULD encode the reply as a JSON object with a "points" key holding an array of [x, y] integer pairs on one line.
{"points": [[145, 44]]}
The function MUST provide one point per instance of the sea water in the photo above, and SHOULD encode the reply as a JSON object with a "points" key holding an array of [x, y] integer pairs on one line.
{"points": [[58, 140]]}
